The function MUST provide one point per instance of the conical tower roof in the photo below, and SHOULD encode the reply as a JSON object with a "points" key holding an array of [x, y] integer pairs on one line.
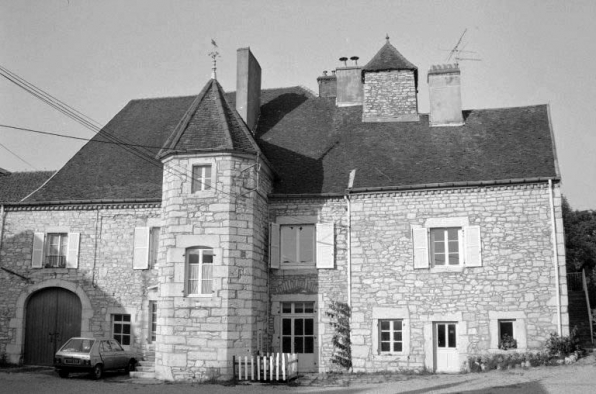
{"points": [[210, 124], [388, 58]]}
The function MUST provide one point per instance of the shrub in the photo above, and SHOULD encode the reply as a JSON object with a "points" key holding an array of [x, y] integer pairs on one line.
{"points": [[507, 342], [561, 346]]}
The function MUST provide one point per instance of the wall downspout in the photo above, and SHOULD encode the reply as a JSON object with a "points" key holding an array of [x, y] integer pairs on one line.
{"points": [[1, 226], [555, 255], [349, 206]]}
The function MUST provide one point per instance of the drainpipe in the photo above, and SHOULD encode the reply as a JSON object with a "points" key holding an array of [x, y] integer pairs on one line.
{"points": [[347, 198], [555, 255], [1, 226]]}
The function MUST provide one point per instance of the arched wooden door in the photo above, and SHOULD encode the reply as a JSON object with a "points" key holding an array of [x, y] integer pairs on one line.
{"points": [[53, 317]]}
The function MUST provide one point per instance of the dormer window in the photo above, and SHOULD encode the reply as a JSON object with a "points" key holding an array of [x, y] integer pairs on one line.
{"points": [[201, 178]]}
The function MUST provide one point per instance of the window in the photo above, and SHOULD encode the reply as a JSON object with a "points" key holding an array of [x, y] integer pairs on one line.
{"points": [[199, 263], [298, 245], [201, 178], [446, 335], [390, 336], [56, 249], [121, 329], [506, 338], [153, 246], [445, 246], [152, 321]]}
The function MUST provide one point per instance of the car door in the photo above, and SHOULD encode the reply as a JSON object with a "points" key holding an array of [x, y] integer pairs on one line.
{"points": [[107, 355], [120, 357]]}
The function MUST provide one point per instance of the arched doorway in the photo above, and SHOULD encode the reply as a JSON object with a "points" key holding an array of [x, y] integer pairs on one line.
{"points": [[53, 316]]}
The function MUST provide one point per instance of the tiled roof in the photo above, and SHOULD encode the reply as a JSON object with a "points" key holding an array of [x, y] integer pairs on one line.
{"points": [[388, 58], [313, 145], [210, 124], [17, 185]]}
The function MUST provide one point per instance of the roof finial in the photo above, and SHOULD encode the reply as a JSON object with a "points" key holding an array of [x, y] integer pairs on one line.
{"points": [[387, 38], [214, 54]]}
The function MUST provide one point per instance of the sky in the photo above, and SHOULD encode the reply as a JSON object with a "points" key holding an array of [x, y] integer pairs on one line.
{"points": [[97, 55]]}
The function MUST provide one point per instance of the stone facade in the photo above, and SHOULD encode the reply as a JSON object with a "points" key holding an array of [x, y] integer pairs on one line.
{"points": [[104, 281], [390, 96], [198, 334], [515, 281]]}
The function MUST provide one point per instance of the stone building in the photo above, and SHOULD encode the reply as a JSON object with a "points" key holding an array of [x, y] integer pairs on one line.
{"points": [[227, 224]]}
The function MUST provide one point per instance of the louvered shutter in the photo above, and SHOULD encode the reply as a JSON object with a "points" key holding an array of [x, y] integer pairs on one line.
{"points": [[325, 245], [420, 239], [37, 256], [72, 254], [274, 246], [473, 246], [140, 260]]}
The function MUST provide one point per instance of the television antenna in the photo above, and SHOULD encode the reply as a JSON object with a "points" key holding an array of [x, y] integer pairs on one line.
{"points": [[456, 53]]}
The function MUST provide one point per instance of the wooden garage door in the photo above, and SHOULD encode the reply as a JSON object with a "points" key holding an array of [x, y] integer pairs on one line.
{"points": [[53, 316]]}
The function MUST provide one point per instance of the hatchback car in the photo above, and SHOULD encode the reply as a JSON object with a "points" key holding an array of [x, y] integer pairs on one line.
{"points": [[94, 355]]}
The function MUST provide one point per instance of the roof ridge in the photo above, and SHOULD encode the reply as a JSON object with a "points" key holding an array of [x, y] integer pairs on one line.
{"points": [[219, 94]]}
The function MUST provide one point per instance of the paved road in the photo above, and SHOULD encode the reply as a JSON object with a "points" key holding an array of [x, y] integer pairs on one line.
{"points": [[579, 378]]}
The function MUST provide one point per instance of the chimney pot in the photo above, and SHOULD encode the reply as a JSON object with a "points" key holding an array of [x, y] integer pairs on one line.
{"points": [[344, 60], [325, 73], [355, 59]]}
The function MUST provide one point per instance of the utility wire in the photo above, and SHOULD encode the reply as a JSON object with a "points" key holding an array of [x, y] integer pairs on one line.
{"points": [[19, 157], [86, 121], [73, 137]]}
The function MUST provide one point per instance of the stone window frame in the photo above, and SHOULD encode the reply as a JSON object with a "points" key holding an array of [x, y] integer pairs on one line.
{"points": [[519, 320], [133, 324], [390, 313], [422, 247], [200, 269], [199, 162]]}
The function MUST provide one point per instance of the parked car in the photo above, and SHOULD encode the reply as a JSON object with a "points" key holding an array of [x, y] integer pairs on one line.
{"points": [[94, 355]]}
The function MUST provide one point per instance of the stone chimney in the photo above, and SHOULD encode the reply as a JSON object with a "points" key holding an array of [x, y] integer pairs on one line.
{"points": [[248, 87], [349, 84], [390, 88], [327, 85], [444, 86]]}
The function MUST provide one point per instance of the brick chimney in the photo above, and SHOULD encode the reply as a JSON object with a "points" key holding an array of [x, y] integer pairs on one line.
{"points": [[349, 84], [390, 88], [444, 86], [327, 85], [248, 87]]}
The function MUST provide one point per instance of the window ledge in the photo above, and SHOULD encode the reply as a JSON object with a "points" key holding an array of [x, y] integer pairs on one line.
{"points": [[297, 267], [199, 295], [55, 270], [455, 268], [391, 355]]}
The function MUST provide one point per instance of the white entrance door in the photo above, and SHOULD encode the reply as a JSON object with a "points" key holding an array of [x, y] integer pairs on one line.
{"points": [[446, 353], [298, 333]]}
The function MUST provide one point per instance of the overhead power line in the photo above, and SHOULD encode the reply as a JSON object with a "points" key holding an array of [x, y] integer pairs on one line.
{"points": [[19, 157], [135, 149], [74, 137]]}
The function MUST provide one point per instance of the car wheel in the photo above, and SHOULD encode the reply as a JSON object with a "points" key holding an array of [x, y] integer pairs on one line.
{"points": [[63, 374], [97, 372], [132, 365]]}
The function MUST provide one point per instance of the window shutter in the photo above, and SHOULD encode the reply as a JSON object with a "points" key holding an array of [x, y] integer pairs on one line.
{"points": [[473, 246], [274, 247], [37, 256], [420, 239], [72, 254], [140, 259], [325, 245]]}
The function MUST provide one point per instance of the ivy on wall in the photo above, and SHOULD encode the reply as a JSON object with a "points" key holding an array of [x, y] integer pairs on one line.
{"points": [[340, 313]]}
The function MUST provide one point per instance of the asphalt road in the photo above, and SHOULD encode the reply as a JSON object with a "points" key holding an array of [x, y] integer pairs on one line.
{"points": [[579, 378]]}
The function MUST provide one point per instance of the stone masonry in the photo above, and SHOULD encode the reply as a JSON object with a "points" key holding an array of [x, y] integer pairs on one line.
{"points": [[198, 335], [390, 96], [105, 281], [516, 279]]}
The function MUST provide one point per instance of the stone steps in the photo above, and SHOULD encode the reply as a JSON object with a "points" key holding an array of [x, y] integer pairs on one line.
{"points": [[145, 369]]}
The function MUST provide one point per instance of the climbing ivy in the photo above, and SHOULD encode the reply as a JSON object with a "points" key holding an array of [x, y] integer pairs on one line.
{"points": [[340, 313]]}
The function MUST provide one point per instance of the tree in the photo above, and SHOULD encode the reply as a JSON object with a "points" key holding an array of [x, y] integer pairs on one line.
{"points": [[580, 238]]}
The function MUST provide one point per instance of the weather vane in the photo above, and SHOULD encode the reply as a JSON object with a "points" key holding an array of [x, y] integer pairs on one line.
{"points": [[214, 55]]}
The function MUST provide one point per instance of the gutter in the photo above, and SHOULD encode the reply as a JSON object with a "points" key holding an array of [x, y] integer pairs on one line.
{"points": [[78, 202], [422, 186], [555, 255]]}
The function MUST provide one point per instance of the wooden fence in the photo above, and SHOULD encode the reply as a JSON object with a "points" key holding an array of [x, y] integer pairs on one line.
{"points": [[269, 367]]}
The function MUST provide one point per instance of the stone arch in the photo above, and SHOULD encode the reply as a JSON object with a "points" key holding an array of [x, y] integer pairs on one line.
{"points": [[15, 351]]}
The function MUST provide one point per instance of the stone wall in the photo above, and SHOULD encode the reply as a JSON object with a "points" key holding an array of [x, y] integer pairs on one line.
{"points": [[104, 280], [390, 96], [516, 279], [198, 334]]}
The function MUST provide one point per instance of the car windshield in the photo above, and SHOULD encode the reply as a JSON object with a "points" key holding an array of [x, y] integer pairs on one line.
{"points": [[78, 345]]}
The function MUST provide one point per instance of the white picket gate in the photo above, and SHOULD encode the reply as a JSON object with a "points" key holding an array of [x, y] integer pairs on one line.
{"points": [[268, 367]]}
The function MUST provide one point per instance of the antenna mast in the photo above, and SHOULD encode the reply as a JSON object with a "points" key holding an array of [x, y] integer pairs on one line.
{"points": [[456, 52]]}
